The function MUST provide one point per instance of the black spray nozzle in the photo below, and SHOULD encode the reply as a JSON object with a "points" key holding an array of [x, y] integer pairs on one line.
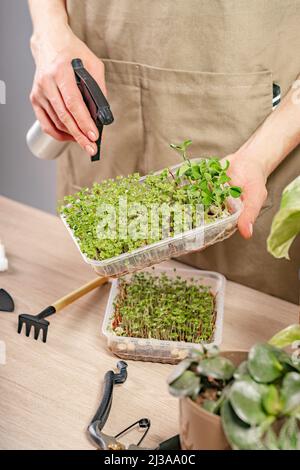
{"points": [[94, 99], [77, 64]]}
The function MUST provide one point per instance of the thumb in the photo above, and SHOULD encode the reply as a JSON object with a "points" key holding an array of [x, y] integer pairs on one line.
{"points": [[252, 201]]}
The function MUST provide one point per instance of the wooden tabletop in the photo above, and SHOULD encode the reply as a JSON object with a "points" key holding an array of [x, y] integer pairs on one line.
{"points": [[49, 392]]}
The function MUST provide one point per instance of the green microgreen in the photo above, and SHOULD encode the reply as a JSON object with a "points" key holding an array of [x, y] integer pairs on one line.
{"points": [[164, 308], [195, 183]]}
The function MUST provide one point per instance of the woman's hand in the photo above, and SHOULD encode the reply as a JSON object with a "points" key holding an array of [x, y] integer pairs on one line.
{"points": [[248, 173], [252, 164], [55, 97]]}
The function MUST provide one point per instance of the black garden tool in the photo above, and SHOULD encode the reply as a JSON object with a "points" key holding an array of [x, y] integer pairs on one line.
{"points": [[39, 323], [94, 99], [104, 441], [6, 302]]}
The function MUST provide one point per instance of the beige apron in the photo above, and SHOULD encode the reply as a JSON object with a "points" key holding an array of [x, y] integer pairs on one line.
{"points": [[197, 69]]}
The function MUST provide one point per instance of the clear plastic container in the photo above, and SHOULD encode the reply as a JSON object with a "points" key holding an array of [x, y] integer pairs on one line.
{"points": [[155, 350], [186, 242]]}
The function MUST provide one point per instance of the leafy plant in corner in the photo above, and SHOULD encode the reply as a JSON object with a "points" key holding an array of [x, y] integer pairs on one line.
{"points": [[258, 401], [286, 223]]}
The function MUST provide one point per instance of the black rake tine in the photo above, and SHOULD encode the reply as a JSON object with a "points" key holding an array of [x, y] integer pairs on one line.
{"points": [[27, 329], [45, 331], [36, 332], [37, 323], [20, 324]]}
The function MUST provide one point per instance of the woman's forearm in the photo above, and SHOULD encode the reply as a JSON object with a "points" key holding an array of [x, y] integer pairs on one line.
{"points": [[277, 136], [48, 16], [55, 97]]}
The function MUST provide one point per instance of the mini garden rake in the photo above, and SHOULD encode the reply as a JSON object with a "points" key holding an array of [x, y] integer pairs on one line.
{"points": [[39, 322]]}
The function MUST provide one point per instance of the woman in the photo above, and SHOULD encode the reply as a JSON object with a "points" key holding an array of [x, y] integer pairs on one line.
{"points": [[173, 70]]}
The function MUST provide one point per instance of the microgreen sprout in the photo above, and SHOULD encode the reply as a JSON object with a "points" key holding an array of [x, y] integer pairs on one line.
{"points": [[196, 183], [164, 308]]}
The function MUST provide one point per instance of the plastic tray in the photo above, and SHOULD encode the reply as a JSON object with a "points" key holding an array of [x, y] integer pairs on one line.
{"points": [[155, 350], [186, 242]]}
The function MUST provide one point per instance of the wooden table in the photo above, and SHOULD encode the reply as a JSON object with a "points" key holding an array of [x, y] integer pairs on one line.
{"points": [[48, 392]]}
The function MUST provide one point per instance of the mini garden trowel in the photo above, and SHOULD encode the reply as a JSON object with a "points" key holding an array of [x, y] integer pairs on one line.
{"points": [[6, 302], [39, 323]]}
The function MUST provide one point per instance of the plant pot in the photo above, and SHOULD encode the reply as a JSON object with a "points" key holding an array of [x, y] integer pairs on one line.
{"points": [[199, 429]]}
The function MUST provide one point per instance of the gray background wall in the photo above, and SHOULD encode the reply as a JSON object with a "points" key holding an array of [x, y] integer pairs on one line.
{"points": [[22, 176]]}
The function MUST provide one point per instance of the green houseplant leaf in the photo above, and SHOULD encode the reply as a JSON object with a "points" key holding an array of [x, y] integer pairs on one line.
{"points": [[290, 393], [188, 384], [271, 401], [286, 223], [270, 440], [263, 363], [179, 369], [239, 434], [246, 400], [286, 337], [217, 367], [289, 436], [241, 371]]}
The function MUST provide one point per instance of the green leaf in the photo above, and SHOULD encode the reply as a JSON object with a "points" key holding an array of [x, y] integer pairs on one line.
{"points": [[209, 405], [212, 350], [217, 367], [286, 337], [188, 384], [235, 191], [270, 440], [214, 165], [206, 199], [290, 393], [183, 169], [241, 371], [263, 363], [196, 174], [226, 166], [207, 176], [179, 369], [271, 401], [246, 399], [223, 178], [239, 434], [286, 223], [186, 143], [289, 436], [203, 185], [287, 360]]}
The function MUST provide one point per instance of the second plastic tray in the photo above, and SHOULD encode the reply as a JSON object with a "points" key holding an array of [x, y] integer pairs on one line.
{"points": [[155, 350]]}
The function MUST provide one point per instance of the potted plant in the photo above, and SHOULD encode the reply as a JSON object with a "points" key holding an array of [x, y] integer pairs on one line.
{"points": [[246, 400], [238, 399]]}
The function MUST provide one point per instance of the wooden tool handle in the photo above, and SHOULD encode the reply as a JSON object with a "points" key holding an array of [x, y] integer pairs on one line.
{"points": [[76, 294]]}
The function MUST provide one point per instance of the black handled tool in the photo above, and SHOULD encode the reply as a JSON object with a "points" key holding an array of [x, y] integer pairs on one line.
{"points": [[94, 99], [104, 441]]}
